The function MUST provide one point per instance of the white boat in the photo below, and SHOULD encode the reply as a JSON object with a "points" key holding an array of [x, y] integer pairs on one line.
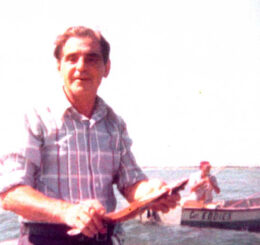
{"points": [[241, 214]]}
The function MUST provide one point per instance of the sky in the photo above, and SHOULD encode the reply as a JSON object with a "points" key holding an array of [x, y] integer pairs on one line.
{"points": [[185, 74]]}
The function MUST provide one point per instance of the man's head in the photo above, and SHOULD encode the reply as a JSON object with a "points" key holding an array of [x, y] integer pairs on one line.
{"points": [[205, 167], [81, 31], [83, 61]]}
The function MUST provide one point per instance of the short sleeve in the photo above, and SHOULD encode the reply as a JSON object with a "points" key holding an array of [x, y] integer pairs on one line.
{"points": [[20, 154], [129, 172]]}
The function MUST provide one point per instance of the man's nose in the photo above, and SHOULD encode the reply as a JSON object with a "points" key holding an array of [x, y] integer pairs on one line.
{"points": [[81, 64]]}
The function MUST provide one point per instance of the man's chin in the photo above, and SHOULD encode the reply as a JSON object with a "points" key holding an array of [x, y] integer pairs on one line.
{"points": [[83, 91]]}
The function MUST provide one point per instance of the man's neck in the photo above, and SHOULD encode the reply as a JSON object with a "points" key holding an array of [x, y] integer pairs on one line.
{"points": [[203, 175], [84, 104]]}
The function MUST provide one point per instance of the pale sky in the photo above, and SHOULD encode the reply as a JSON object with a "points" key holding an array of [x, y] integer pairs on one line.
{"points": [[185, 74]]}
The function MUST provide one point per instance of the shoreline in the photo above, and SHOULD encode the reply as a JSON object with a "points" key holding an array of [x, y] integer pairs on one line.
{"points": [[196, 167]]}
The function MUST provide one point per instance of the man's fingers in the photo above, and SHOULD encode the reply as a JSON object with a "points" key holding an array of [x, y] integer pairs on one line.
{"points": [[96, 218], [91, 229], [87, 231], [87, 218], [161, 207], [174, 197], [165, 204], [88, 224]]}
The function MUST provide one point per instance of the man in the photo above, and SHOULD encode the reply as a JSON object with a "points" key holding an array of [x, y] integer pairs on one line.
{"points": [[59, 176], [202, 184]]}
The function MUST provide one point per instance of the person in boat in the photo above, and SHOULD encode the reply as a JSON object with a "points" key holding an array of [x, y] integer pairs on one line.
{"points": [[202, 184], [59, 174]]}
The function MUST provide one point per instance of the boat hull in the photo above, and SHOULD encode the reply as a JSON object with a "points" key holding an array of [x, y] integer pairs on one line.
{"points": [[237, 219]]}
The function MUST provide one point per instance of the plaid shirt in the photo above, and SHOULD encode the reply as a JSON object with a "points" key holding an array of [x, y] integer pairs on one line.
{"points": [[67, 156]]}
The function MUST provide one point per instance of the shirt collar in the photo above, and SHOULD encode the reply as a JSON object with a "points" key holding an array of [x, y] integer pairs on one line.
{"points": [[61, 107]]}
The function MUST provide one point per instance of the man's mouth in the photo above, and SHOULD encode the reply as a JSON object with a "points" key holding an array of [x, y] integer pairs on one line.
{"points": [[82, 78]]}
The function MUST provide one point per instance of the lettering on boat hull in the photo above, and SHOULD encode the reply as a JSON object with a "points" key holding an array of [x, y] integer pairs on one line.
{"points": [[210, 215]]}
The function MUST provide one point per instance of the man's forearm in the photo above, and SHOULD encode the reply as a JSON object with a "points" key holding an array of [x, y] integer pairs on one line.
{"points": [[142, 188], [85, 217], [33, 205], [215, 187], [197, 186], [136, 191]]}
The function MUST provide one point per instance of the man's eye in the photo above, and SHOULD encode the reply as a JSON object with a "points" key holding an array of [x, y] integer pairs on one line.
{"points": [[72, 58], [93, 59]]}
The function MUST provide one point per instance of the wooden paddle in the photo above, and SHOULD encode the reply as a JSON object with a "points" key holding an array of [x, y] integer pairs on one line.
{"points": [[141, 205], [145, 203]]}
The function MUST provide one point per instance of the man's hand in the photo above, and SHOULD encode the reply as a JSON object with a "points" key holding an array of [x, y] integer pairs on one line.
{"points": [[146, 188], [203, 183], [165, 203], [86, 218], [214, 186]]}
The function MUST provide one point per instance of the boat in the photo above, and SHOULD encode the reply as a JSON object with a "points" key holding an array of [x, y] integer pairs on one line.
{"points": [[242, 214]]}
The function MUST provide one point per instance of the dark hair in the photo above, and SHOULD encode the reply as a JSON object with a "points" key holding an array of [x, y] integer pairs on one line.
{"points": [[81, 31]]}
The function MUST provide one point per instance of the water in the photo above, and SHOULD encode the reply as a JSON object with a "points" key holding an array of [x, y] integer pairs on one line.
{"points": [[235, 183]]}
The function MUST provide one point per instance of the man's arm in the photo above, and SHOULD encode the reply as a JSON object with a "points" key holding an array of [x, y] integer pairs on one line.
{"points": [[208, 180], [196, 186], [214, 185], [33, 205]]}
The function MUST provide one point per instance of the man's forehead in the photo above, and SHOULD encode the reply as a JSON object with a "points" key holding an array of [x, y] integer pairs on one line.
{"points": [[82, 44], [205, 165]]}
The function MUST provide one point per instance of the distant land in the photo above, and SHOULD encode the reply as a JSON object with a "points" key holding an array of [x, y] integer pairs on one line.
{"points": [[196, 167]]}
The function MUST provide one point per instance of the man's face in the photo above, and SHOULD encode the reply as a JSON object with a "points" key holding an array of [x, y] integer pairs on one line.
{"points": [[82, 66], [206, 169]]}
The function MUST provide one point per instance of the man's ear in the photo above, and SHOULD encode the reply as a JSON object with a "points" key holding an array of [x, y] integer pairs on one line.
{"points": [[107, 68]]}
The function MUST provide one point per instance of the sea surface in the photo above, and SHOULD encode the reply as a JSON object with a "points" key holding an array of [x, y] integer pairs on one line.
{"points": [[235, 183]]}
